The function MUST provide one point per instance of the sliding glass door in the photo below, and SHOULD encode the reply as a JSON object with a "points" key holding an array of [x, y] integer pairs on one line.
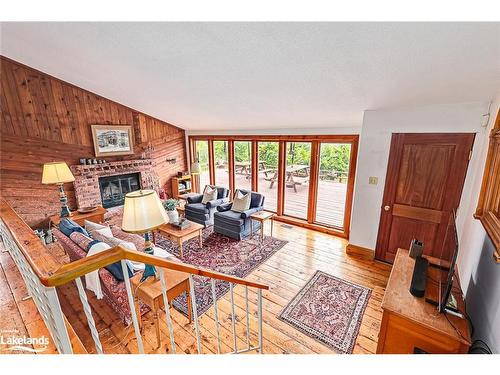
{"points": [[296, 176], [267, 183], [243, 165], [334, 159], [306, 180], [221, 163], [201, 154]]}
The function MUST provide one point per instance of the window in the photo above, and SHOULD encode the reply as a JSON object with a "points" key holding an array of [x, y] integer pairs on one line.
{"points": [[268, 173], [306, 179], [298, 170], [243, 165], [201, 149], [488, 209], [221, 163], [332, 183]]}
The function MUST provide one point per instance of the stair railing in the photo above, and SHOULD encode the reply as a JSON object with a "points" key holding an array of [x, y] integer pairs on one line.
{"points": [[42, 274]]}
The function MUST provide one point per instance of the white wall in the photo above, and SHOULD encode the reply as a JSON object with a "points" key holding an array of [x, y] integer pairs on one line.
{"points": [[479, 274], [373, 156]]}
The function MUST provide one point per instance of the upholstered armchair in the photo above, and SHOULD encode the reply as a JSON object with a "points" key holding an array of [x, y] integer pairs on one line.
{"points": [[237, 225], [204, 213]]}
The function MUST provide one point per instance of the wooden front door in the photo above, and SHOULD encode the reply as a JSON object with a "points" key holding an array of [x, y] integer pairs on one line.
{"points": [[424, 182]]}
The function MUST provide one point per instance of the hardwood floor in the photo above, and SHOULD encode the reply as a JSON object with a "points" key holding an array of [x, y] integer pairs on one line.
{"points": [[285, 272], [19, 316]]}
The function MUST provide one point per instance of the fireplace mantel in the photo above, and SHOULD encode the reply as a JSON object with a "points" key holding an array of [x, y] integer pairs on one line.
{"points": [[87, 178]]}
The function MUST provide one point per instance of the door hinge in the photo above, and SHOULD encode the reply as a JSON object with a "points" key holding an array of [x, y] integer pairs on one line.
{"points": [[470, 154]]}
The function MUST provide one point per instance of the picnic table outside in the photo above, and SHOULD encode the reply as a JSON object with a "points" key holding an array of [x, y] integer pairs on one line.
{"points": [[245, 168], [295, 175]]}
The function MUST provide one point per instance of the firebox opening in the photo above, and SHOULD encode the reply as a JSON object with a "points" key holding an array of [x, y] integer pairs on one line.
{"points": [[114, 188]]}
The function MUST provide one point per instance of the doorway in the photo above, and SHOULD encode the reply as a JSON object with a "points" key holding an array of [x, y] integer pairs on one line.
{"points": [[424, 182]]}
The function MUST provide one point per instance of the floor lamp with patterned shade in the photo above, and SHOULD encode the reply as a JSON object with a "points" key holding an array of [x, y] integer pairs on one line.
{"points": [[143, 213], [58, 173]]}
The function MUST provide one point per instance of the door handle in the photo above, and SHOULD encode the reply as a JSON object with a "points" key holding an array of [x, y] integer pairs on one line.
{"points": [[387, 208]]}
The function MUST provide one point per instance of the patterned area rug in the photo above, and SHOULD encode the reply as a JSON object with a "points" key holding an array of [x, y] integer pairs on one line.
{"points": [[222, 254], [329, 310]]}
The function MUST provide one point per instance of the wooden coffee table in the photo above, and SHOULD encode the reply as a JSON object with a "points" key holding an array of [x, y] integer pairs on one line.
{"points": [[182, 235], [149, 292]]}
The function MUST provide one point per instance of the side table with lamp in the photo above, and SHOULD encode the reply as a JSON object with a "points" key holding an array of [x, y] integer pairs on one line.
{"points": [[143, 212]]}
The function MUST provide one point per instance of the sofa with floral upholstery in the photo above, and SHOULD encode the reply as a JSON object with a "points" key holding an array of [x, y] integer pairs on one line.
{"points": [[114, 292]]}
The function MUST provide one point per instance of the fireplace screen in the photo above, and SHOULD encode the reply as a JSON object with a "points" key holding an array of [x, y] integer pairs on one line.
{"points": [[114, 188]]}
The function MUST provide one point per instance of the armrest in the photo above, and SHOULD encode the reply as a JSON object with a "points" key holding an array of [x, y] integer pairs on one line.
{"points": [[250, 211], [195, 198], [224, 207], [216, 202]]}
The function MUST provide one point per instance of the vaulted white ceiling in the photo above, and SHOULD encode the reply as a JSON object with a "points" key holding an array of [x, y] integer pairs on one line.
{"points": [[265, 75]]}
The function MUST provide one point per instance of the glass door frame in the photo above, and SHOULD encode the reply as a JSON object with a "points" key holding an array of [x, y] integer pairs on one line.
{"points": [[316, 140]]}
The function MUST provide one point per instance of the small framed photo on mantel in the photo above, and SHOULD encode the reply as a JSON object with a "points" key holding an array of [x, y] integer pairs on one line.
{"points": [[112, 140]]}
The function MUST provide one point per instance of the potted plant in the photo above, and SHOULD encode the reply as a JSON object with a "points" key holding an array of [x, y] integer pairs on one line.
{"points": [[170, 206]]}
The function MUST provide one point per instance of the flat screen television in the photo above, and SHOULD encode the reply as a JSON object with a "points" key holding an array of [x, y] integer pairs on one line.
{"points": [[446, 301]]}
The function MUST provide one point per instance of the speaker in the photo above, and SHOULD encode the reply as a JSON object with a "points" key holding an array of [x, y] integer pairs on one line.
{"points": [[416, 248], [419, 278]]}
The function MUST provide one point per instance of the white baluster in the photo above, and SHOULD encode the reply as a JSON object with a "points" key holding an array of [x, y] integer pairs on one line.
{"points": [[195, 313], [59, 324], [132, 307], [216, 315], [248, 316], [233, 318], [88, 313], [259, 307], [167, 309]]}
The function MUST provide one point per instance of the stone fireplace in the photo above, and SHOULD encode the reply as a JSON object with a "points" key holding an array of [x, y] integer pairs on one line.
{"points": [[106, 184]]}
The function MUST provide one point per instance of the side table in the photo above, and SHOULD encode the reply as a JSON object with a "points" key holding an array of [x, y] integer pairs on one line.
{"points": [[262, 217], [149, 292]]}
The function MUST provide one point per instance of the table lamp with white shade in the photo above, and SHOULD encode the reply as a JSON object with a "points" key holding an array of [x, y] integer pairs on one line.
{"points": [[143, 213], [57, 173]]}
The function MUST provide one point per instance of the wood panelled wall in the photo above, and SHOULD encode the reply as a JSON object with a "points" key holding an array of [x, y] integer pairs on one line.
{"points": [[44, 119]]}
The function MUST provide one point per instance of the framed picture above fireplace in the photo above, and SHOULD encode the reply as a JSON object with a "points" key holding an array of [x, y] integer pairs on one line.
{"points": [[112, 140]]}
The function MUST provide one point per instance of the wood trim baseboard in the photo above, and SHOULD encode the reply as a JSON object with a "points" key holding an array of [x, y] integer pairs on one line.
{"points": [[360, 251], [304, 224]]}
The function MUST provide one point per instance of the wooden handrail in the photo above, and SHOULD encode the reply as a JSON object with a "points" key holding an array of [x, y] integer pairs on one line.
{"points": [[52, 273], [41, 261]]}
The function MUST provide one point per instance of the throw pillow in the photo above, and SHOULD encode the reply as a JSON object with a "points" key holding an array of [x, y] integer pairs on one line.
{"points": [[136, 239], [81, 240], [106, 231], [90, 226], [113, 241], [241, 202], [209, 194], [68, 226], [100, 236]]}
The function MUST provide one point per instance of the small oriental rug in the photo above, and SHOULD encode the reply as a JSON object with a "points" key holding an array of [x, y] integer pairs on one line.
{"points": [[329, 310]]}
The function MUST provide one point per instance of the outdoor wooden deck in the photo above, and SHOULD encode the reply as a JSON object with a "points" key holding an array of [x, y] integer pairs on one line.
{"points": [[331, 197]]}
